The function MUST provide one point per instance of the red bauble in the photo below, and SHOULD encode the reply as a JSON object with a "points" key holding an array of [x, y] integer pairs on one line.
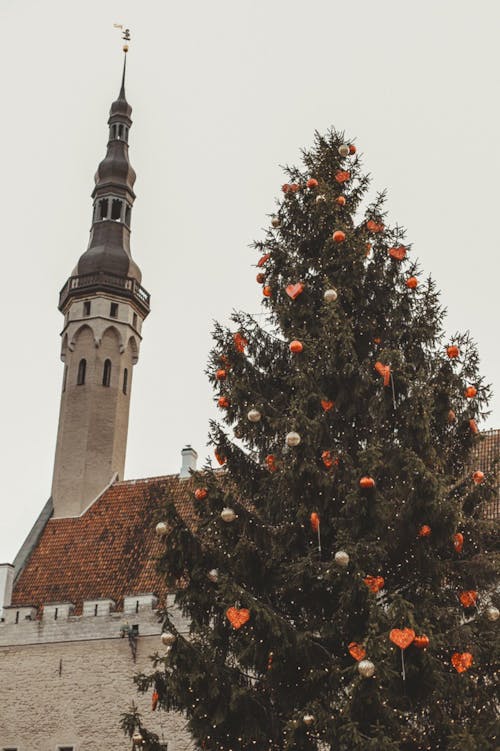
{"points": [[221, 374], [478, 477], [271, 463], [397, 253], [421, 642], [374, 226], [296, 346], [260, 278], [200, 494], [470, 392], [458, 542], [468, 598], [340, 200], [223, 402], [412, 282], [374, 583], [424, 531], [312, 183], [342, 176], [367, 482], [267, 291], [338, 236], [352, 149], [452, 351]]}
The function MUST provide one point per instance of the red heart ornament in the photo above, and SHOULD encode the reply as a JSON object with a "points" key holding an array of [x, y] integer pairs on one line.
{"points": [[329, 459], [402, 638], [327, 404], [461, 661], [271, 463], [237, 617], [314, 521], [342, 176], [398, 253], [239, 341], [294, 290], [357, 651], [374, 226], [374, 583], [468, 598]]}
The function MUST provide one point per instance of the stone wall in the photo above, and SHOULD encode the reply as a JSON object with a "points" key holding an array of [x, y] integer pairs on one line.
{"points": [[66, 683]]}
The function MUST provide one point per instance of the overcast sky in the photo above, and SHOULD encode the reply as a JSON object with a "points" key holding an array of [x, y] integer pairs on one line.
{"points": [[223, 92]]}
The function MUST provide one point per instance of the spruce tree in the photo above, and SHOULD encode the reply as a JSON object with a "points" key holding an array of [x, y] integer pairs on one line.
{"points": [[339, 580]]}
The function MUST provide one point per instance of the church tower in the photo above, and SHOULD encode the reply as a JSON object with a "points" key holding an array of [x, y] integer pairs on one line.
{"points": [[104, 307]]}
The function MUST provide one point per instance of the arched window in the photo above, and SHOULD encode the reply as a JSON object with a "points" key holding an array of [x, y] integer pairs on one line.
{"points": [[106, 374], [116, 209], [125, 381], [82, 367], [65, 377]]}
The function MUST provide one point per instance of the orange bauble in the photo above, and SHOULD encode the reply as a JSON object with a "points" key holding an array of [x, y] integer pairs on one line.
{"points": [[470, 392], [267, 291], [223, 402], [221, 374], [342, 176], [367, 482], [338, 236], [424, 531], [260, 278], [352, 148], [340, 200], [296, 346], [452, 351], [312, 183], [412, 282], [200, 494], [421, 642], [458, 541], [478, 477]]}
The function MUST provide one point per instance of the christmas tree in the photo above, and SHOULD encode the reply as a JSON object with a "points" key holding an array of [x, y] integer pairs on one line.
{"points": [[339, 581]]}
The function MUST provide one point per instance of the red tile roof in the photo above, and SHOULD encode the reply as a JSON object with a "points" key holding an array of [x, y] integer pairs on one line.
{"points": [[111, 550], [108, 552]]}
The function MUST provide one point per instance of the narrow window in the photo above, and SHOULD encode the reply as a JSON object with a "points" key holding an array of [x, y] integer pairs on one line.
{"points": [[125, 381], [86, 308], [116, 209], [65, 377], [113, 310], [120, 131], [106, 374], [137, 606], [128, 211], [82, 367], [134, 320], [17, 616], [65, 748], [103, 208], [55, 613], [96, 607]]}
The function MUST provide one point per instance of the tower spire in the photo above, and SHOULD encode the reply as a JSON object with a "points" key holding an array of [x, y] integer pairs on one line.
{"points": [[104, 307]]}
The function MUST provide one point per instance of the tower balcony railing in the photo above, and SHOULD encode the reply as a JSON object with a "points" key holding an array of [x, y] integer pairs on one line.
{"points": [[123, 285]]}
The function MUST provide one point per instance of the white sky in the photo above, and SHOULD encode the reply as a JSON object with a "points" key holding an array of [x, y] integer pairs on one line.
{"points": [[222, 94]]}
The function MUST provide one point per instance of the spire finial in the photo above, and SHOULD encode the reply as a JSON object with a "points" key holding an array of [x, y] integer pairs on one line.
{"points": [[126, 40]]}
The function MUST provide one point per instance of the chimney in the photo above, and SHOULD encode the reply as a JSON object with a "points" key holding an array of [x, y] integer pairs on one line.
{"points": [[189, 457], [6, 584]]}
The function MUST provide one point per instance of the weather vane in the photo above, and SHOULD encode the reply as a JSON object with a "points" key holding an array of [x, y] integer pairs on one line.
{"points": [[125, 35]]}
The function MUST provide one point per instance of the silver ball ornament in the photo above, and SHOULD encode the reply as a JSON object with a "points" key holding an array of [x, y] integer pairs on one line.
{"points": [[330, 295], [276, 222], [161, 529], [344, 150], [308, 719], [227, 515], [341, 558], [366, 668], [292, 438], [167, 638], [213, 575], [254, 415], [492, 613]]}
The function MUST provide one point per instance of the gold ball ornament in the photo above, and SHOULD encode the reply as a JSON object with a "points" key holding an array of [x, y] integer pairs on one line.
{"points": [[344, 150], [168, 638], [161, 529], [341, 558], [366, 668], [213, 575], [308, 719], [254, 415], [330, 295], [292, 439], [492, 613], [137, 738], [227, 515], [276, 222]]}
